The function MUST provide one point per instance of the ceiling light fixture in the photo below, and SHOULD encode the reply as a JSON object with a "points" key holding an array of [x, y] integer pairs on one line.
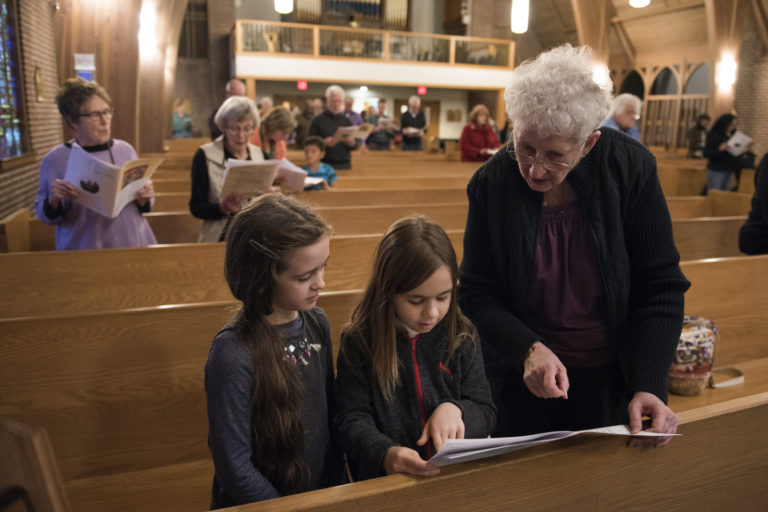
{"points": [[518, 17], [639, 4]]}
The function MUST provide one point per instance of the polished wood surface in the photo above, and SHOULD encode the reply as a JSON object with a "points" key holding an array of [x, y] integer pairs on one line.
{"points": [[115, 279], [136, 376], [28, 469]]}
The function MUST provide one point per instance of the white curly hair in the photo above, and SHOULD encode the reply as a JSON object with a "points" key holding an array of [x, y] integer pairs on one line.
{"points": [[563, 91]]}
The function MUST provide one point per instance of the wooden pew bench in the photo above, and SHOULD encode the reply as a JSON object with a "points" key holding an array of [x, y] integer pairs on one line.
{"points": [[179, 201], [716, 464], [115, 279], [121, 393], [717, 203]]}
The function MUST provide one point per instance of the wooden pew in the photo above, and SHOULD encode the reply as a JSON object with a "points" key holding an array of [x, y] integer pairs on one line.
{"points": [[682, 179], [179, 201], [707, 237], [116, 279], [121, 396], [14, 231], [583, 473], [121, 393], [717, 203], [415, 181]]}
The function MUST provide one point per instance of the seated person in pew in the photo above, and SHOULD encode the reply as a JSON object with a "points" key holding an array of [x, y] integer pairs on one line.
{"points": [[314, 151], [87, 109], [269, 374], [753, 235], [275, 130], [478, 141], [410, 370], [238, 119], [570, 272]]}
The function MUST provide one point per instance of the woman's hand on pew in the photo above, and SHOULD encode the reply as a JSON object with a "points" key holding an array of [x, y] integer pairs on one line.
{"points": [[62, 190], [663, 420], [400, 459], [444, 423]]}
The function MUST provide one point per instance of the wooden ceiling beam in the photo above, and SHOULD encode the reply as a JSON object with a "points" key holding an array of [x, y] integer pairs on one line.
{"points": [[626, 44], [592, 26], [650, 12]]}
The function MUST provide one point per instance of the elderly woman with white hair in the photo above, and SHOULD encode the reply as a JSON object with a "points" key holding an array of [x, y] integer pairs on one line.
{"points": [[624, 113], [337, 152], [570, 272], [238, 119]]}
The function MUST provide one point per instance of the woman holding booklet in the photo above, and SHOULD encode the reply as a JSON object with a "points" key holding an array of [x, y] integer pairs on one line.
{"points": [[570, 272], [238, 119], [86, 108]]}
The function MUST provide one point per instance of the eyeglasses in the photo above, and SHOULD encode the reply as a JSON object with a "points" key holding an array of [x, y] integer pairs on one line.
{"points": [[528, 158], [107, 113], [239, 129]]}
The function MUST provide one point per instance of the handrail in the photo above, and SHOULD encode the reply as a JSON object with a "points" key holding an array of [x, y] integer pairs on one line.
{"points": [[273, 38]]}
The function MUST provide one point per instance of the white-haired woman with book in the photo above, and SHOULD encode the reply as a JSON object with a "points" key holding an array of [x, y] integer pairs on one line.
{"points": [[237, 118]]}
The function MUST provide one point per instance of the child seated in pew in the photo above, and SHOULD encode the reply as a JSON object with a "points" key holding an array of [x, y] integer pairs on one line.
{"points": [[410, 371], [269, 374], [314, 151]]}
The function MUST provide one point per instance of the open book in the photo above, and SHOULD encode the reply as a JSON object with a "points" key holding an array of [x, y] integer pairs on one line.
{"points": [[387, 123], [251, 178], [463, 450], [345, 133], [104, 187], [738, 143]]}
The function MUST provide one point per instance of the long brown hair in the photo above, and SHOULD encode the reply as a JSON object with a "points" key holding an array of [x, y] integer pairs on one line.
{"points": [[261, 238], [412, 249]]}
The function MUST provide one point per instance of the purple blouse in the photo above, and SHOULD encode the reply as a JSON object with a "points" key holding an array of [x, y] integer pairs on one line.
{"points": [[567, 302], [78, 227]]}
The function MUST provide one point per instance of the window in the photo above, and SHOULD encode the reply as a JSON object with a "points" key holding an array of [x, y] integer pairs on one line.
{"points": [[12, 125]]}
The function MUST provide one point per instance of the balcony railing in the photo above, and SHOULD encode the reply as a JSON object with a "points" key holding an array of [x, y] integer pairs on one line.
{"points": [[276, 38]]}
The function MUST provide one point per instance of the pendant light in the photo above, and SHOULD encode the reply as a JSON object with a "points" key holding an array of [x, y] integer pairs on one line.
{"points": [[518, 19]]}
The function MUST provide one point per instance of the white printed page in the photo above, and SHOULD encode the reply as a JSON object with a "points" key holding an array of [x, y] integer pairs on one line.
{"points": [[96, 181], [463, 450], [248, 178]]}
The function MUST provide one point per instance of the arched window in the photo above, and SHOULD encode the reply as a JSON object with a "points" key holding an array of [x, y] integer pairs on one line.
{"points": [[698, 82], [633, 84], [12, 126], [665, 83]]}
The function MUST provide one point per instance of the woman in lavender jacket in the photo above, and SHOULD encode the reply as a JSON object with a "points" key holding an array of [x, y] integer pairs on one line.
{"points": [[86, 108]]}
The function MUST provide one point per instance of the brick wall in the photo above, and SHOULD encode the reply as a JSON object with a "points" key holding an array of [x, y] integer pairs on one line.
{"points": [[192, 81], [18, 183], [203, 80], [750, 99]]}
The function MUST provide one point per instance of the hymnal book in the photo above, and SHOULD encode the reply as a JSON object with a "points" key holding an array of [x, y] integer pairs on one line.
{"points": [[454, 451], [738, 143], [311, 182], [410, 131], [387, 123], [248, 178], [291, 175], [344, 133], [104, 187]]}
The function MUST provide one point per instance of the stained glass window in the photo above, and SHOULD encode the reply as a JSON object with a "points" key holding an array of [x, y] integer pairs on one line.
{"points": [[11, 124]]}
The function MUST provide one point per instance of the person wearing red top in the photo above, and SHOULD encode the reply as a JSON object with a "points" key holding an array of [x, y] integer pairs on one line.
{"points": [[478, 138]]}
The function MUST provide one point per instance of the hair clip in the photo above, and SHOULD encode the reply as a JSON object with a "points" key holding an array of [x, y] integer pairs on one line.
{"points": [[269, 253]]}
